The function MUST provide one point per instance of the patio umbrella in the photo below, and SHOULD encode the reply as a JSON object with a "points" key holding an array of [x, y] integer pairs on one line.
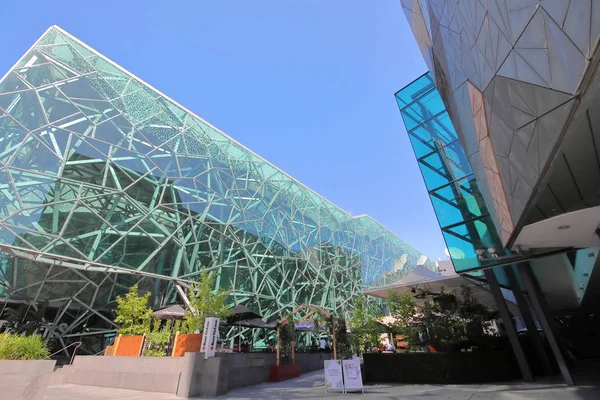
{"points": [[240, 314], [174, 311], [257, 323]]}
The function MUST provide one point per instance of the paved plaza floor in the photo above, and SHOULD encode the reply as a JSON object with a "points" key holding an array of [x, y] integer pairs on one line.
{"points": [[311, 386]]}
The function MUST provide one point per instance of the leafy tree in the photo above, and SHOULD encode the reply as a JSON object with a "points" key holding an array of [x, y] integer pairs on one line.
{"points": [[206, 302], [364, 324], [342, 340], [287, 334], [404, 310], [450, 321], [158, 338], [133, 313]]}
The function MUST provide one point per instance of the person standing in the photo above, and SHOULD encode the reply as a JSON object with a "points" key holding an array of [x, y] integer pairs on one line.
{"points": [[322, 344]]}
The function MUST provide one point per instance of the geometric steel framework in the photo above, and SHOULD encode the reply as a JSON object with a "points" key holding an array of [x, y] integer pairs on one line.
{"points": [[105, 182]]}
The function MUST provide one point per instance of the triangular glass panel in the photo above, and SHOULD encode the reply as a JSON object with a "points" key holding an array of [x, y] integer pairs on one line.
{"points": [[167, 162], [56, 105], [25, 108], [33, 189], [114, 131], [52, 36], [55, 139], [67, 56], [97, 111], [82, 50], [11, 136], [111, 74], [12, 83], [102, 87], [44, 74], [157, 132], [82, 88], [139, 107], [77, 123], [34, 155]]}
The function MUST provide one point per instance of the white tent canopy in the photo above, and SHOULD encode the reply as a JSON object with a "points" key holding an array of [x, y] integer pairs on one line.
{"points": [[424, 284]]}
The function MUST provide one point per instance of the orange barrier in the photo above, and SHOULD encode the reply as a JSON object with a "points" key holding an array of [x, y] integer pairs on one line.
{"points": [[109, 351], [185, 343], [129, 345]]}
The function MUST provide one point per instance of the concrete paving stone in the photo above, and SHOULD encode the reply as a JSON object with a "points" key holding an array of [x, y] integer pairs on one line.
{"points": [[311, 386]]}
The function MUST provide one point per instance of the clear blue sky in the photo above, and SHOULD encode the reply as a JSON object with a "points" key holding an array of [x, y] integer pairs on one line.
{"points": [[307, 84]]}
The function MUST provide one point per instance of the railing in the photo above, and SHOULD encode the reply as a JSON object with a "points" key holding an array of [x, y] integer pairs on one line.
{"points": [[65, 348]]}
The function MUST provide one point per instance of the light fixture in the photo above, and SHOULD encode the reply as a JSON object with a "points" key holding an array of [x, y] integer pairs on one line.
{"points": [[480, 253], [563, 227]]}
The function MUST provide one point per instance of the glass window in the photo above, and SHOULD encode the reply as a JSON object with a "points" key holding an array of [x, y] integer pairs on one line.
{"points": [[414, 90], [459, 201], [444, 166], [463, 241], [432, 134], [423, 109]]}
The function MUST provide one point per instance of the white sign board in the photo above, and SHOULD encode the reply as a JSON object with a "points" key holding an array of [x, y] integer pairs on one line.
{"points": [[209, 337], [352, 375], [333, 375]]}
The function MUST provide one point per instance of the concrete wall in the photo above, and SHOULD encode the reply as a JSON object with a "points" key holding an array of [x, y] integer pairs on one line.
{"points": [[246, 369], [202, 377], [187, 376], [312, 361], [150, 374], [24, 380]]}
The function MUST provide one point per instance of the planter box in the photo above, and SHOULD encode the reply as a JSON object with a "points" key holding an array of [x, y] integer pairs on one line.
{"points": [[185, 343], [283, 372], [25, 380], [441, 368]]}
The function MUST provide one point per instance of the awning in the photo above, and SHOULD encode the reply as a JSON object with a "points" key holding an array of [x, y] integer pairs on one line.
{"points": [[257, 323], [423, 284]]}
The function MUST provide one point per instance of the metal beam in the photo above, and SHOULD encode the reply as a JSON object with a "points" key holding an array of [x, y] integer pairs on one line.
{"points": [[508, 325], [532, 331], [535, 297]]}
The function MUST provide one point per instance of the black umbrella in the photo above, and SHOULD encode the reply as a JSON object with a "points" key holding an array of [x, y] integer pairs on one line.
{"points": [[174, 311], [257, 323], [241, 314]]}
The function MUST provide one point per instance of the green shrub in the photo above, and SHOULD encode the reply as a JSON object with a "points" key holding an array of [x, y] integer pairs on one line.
{"points": [[155, 353], [17, 347]]}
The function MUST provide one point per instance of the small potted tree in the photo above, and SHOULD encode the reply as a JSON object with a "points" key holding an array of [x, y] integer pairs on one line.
{"points": [[134, 316], [285, 367], [25, 366]]}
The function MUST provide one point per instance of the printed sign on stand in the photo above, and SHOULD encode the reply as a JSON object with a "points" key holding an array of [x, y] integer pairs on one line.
{"points": [[352, 375], [209, 337], [333, 375]]}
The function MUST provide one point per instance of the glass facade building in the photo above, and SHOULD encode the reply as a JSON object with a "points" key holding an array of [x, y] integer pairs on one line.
{"points": [[105, 182], [520, 81]]}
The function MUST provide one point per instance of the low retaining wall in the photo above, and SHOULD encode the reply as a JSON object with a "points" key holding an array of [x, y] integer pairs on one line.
{"points": [[150, 374], [246, 369], [187, 376], [312, 361], [441, 368], [25, 380]]}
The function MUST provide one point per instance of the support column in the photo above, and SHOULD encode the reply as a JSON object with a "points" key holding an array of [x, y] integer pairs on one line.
{"points": [[532, 331], [508, 325], [535, 295]]}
